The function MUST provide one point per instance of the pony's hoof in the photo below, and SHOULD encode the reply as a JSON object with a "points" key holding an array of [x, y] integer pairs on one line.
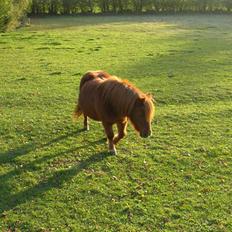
{"points": [[113, 152], [86, 128]]}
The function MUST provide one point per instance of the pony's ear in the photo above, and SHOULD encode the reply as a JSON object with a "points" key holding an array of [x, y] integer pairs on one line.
{"points": [[149, 95], [140, 100]]}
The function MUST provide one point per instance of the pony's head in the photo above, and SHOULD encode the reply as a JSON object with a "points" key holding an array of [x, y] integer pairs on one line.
{"points": [[142, 114]]}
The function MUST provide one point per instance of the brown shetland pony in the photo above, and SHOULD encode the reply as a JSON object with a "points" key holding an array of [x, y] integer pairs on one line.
{"points": [[111, 100]]}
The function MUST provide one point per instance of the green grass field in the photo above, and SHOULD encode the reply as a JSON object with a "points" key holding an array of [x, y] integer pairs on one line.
{"points": [[54, 177]]}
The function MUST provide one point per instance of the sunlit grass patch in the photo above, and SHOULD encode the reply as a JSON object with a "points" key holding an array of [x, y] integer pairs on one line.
{"points": [[54, 176]]}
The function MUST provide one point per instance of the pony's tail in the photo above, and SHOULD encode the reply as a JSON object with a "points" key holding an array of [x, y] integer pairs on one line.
{"points": [[77, 112]]}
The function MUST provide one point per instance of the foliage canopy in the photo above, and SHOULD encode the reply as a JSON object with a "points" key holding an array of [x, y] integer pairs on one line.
{"points": [[128, 6], [13, 11]]}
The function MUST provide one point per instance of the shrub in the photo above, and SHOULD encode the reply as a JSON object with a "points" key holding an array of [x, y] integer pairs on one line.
{"points": [[5, 9], [11, 13]]}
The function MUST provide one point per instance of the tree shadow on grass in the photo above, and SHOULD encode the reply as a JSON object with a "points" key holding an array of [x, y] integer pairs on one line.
{"points": [[63, 22], [55, 181], [189, 74]]}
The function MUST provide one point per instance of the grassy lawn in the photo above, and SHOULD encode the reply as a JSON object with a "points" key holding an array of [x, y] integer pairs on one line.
{"points": [[54, 177]]}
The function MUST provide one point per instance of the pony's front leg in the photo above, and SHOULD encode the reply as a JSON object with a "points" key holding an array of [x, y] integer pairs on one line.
{"points": [[86, 123], [121, 131], [110, 136]]}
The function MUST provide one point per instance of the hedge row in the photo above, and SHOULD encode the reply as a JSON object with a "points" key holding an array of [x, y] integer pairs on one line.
{"points": [[52, 7]]}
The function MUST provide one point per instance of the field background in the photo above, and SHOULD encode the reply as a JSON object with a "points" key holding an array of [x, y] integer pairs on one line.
{"points": [[54, 177]]}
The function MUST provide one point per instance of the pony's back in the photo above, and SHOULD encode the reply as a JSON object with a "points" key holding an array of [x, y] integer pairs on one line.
{"points": [[91, 75]]}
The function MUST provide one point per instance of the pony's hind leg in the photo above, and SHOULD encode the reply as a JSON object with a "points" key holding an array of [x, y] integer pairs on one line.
{"points": [[110, 136], [86, 123]]}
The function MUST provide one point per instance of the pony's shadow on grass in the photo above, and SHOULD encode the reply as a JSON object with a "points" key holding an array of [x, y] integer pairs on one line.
{"points": [[9, 200], [33, 165], [55, 181], [11, 155]]}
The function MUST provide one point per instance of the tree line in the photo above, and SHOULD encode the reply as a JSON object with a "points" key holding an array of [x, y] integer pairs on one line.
{"points": [[54, 7], [12, 12]]}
